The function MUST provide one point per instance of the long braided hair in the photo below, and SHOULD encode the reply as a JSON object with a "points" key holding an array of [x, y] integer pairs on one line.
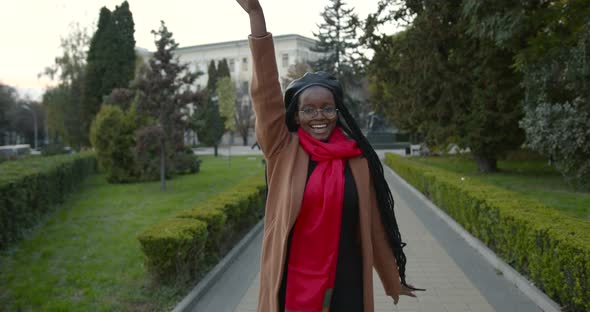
{"points": [[351, 128]]}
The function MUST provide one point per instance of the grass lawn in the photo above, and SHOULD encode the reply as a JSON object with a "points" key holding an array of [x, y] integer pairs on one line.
{"points": [[86, 257], [532, 178]]}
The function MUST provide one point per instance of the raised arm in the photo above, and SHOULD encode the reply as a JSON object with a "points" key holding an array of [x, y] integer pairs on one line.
{"points": [[267, 99]]}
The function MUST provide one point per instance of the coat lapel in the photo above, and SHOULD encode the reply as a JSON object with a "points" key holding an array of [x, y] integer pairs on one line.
{"points": [[298, 182]]}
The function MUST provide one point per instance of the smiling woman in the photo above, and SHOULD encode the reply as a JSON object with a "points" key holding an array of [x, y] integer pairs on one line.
{"points": [[329, 213]]}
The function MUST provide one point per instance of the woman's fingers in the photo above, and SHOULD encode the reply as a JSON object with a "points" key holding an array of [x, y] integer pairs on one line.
{"points": [[243, 4], [249, 5]]}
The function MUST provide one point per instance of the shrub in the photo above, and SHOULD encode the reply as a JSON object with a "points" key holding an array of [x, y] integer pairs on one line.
{"points": [[186, 162], [223, 218], [54, 149], [147, 153], [112, 135], [562, 133], [557, 108], [550, 247], [174, 248], [30, 187], [216, 229]]}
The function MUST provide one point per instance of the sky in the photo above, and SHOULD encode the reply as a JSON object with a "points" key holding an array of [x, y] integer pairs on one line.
{"points": [[31, 29]]}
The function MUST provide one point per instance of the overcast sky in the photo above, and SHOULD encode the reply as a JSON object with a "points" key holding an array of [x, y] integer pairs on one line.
{"points": [[30, 30]]}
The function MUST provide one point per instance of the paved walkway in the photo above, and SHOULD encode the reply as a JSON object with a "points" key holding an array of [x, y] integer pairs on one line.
{"points": [[455, 275]]}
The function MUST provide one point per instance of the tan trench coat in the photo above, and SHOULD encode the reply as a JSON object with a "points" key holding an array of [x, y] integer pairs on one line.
{"points": [[287, 173]]}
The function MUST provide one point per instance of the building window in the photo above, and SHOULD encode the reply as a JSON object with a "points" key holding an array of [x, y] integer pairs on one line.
{"points": [[232, 64], [245, 64], [245, 86], [285, 59]]}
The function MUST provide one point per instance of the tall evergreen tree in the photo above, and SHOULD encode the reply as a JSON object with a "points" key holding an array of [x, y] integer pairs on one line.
{"points": [[95, 70], [338, 38], [111, 58], [207, 121], [436, 79], [223, 69], [165, 93], [212, 77]]}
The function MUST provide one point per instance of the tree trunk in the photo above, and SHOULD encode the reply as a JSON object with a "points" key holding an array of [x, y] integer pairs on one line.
{"points": [[245, 139], [162, 165], [486, 164], [215, 150]]}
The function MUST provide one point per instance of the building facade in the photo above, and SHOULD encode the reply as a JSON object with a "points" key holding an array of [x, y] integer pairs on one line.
{"points": [[289, 50]]}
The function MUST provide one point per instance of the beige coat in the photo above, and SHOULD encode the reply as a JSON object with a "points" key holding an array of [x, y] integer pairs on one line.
{"points": [[287, 173]]}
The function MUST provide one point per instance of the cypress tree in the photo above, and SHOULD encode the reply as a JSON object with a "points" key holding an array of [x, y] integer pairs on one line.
{"points": [[222, 69], [207, 120], [111, 59]]}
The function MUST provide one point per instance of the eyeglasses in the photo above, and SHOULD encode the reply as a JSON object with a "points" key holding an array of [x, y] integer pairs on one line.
{"points": [[328, 112]]}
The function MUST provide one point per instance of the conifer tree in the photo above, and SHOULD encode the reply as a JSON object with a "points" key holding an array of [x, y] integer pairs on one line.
{"points": [[206, 120], [222, 69], [165, 93], [111, 58], [338, 40]]}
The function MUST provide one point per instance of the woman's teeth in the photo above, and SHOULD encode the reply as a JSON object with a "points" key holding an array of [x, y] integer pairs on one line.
{"points": [[319, 126]]}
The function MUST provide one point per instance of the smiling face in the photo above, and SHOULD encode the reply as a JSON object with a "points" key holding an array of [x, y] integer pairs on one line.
{"points": [[319, 127]]}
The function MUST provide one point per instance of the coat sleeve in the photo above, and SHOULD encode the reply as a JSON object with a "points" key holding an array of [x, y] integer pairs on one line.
{"points": [[271, 130], [383, 258]]}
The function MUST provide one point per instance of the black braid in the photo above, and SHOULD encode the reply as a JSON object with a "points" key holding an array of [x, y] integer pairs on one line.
{"points": [[384, 197]]}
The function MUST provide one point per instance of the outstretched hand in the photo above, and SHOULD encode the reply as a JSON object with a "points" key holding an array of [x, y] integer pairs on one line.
{"points": [[257, 22], [404, 291], [250, 6]]}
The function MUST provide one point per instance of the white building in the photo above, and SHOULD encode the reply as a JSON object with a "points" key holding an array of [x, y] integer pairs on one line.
{"points": [[289, 49]]}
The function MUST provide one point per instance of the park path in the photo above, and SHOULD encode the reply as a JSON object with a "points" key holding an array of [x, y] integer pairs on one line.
{"points": [[456, 276]]}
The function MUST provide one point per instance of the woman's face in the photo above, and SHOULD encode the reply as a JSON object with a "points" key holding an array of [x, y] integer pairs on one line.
{"points": [[317, 101]]}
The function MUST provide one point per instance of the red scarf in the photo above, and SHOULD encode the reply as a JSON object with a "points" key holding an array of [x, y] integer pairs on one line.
{"points": [[316, 234]]}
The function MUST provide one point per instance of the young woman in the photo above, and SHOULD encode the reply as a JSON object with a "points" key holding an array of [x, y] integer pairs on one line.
{"points": [[329, 213]]}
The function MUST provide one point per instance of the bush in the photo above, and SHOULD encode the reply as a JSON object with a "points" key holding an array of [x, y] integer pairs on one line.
{"points": [[147, 153], [112, 135], [31, 186], [562, 133], [549, 247], [171, 255], [54, 149], [557, 109], [175, 247], [186, 162]]}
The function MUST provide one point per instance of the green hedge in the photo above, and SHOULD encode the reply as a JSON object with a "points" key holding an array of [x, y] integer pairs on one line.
{"points": [[186, 246], [31, 186], [549, 247]]}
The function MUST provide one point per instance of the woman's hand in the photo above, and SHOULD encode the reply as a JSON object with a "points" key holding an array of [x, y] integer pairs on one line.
{"points": [[250, 5], [406, 292], [257, 22]]}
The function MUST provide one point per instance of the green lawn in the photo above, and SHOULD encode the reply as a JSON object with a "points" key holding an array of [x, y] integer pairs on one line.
{"points": [[532, 178], [86, 257]]}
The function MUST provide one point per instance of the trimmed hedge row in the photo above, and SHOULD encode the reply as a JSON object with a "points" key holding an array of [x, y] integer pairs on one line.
{"points": [[31, 186], [549, 247], [186, 246]]}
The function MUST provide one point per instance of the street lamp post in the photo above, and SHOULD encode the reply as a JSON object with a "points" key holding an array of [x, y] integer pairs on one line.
{"points": [[26, 107]]}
